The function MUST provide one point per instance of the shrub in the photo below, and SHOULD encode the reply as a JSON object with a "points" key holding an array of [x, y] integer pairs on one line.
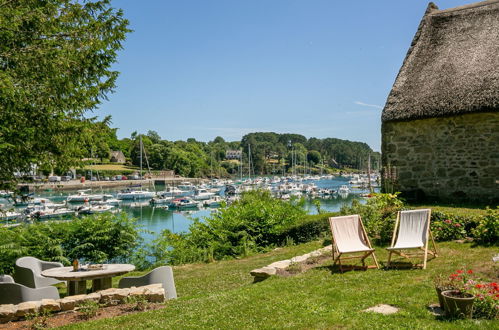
{"points": [[98, 238], [378, 215], [446, 226], [252, 224], [487, 231], [310, 228]]}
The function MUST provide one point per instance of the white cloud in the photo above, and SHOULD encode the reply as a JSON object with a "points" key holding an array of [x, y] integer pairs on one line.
{"points": [[368, 105]]}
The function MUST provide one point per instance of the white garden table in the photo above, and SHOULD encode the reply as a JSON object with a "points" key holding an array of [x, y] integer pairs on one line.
{"points": [[77, 280]]}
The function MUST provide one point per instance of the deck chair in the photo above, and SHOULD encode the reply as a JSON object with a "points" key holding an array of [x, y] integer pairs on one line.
{"points": [[412, 231], [349, 237]]}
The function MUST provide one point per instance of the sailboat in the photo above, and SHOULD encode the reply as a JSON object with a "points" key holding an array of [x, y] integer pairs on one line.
{"points": [[133, 194]]}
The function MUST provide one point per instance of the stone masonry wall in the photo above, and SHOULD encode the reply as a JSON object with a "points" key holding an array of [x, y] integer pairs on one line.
{"points": [[446, 158]]}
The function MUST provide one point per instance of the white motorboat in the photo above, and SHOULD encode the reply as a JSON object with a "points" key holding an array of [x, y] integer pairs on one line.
{"points": [[184, 203], [45, 212], [170, 192], [161, 200], [202, 194], [95, 208], [82, 196], [135, 194]]}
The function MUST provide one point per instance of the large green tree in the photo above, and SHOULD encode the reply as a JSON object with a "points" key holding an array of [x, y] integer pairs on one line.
{"points": [[55, 66]]}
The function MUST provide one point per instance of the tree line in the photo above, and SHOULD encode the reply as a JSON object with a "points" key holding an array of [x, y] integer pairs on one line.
{"points": [[260, 153]]}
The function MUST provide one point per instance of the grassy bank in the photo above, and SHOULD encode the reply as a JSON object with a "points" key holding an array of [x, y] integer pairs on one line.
{"points": [[222, 295]]}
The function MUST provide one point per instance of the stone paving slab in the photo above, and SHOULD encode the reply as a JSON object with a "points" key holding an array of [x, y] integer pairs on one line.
{"points": [[260, 274], [383, 309]]}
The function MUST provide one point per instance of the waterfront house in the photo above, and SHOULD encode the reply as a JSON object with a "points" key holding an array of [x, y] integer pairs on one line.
{"points": [[440, 124], [117, 157], [233, 154]]}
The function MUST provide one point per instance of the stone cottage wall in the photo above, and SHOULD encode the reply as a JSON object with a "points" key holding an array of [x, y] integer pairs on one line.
{"points": [[446, 158]]}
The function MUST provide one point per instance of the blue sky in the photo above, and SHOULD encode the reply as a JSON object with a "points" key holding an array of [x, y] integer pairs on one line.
{"points": [[201, 69]]}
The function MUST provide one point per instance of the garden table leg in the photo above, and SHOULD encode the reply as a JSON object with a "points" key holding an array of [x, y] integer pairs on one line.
{"points": [[102, 283], [77, 287]]}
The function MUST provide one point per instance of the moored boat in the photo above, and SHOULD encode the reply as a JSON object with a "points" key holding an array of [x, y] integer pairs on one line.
{"points": [[135, 194], [82, 196]]}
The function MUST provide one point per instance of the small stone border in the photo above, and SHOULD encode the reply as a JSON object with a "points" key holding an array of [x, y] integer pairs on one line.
{"points": [[275, 268], [10, 312]]}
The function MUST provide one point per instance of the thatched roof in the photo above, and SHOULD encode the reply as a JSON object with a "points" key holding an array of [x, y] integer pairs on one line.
{"points": [[452, 66]]}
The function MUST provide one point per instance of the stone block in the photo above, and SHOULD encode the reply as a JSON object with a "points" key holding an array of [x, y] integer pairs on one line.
{"points": [[95, 296], [28, 307], [299, 259], [50, 305], [140, 291], [114, 296], [66, 304], [155, 295], [7, 313], [71, 302], [283, 264], [263, 272]]}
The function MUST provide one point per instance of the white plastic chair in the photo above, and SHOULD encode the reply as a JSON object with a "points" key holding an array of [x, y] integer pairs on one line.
{"points": [[163, 275], [15, 293], [28, 272]]}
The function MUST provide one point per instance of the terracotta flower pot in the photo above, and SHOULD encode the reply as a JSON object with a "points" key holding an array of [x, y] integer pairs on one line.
{"points": [[458, 304]]}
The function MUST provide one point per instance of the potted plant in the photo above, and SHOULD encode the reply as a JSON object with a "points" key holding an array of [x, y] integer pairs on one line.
{"points": [[458, 302], [443, 283]]}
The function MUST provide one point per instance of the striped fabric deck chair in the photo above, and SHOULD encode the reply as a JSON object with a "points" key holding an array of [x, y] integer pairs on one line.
{"points": [[412, 231], [349, 237]]}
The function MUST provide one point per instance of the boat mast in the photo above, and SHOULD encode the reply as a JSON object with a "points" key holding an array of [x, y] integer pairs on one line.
{"points": [[140, 147], [249, 161], [369, 173], [241, 165]]}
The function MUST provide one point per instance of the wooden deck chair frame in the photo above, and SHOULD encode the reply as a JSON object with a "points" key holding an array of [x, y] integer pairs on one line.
{"points": [[425, 250], [337, 254]]}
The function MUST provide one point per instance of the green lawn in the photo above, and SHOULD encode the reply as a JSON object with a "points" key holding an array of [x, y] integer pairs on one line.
{"points": [[222, 295]]}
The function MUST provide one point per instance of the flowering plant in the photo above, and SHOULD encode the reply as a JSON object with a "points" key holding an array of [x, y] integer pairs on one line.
{"points": [[448, 229], [486, 304], [487, 299], [460, 278]]}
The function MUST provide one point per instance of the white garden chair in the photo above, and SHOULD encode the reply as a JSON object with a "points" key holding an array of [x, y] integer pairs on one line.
{"points": [[350, 237], [412, 231]]}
